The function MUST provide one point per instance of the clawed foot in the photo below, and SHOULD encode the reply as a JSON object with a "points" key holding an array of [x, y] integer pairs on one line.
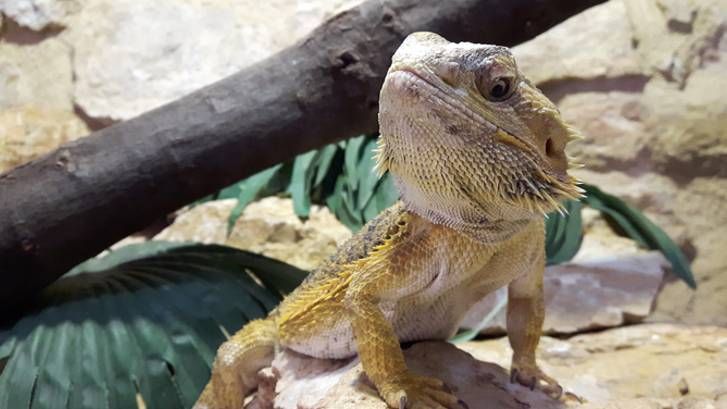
{"points": [[531, 376], [419, 392]]}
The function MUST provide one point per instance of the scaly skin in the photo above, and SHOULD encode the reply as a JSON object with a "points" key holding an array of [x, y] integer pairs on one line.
{"points": [[477, 154]]}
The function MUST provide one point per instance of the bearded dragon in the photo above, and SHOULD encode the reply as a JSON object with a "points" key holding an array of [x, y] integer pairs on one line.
{"points": [[477, 154]]}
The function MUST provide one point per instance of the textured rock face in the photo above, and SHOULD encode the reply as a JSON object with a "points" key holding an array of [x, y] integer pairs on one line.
{"points": [[299, 382], [27, 133], [39, 75], [269, 227], [644, 81], [37, 14], [134, 56], [651, 360], [618, 369]]}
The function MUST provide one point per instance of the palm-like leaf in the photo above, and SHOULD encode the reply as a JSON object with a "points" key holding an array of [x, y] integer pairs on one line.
{"points": [[637, 226], [143, 321]]}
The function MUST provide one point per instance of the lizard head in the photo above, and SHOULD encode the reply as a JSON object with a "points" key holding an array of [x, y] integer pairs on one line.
{"points": [[464, 133]]}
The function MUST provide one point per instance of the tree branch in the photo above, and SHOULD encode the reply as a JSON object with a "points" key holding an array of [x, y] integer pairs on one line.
{"points": [[75, 202]]}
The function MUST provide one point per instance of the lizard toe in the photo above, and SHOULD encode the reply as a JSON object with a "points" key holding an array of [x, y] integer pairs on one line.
{"points": [[532, 377]]}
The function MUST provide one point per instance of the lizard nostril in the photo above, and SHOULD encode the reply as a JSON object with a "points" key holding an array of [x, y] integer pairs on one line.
{"points": [[549, 149]]}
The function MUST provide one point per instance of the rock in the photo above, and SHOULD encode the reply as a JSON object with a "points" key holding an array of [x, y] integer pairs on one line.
{"points": [[205, 223], [37, 14], [134, 56], [608, 283], [268, 226], [617, 369], [26, 133], [595, 43], [652, 109], [301, 382], [675, 37], [643, 361], [36, 106], [40, 76]]}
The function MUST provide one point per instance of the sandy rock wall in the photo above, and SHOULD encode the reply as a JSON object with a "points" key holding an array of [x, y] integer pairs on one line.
{"points": [[644, 80]]}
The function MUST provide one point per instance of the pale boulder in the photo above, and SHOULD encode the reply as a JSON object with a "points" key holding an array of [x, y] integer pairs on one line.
{"points": [[38, 14], [638, 367], [268, 226], [133, 56], [26, 133], [39, 75]]}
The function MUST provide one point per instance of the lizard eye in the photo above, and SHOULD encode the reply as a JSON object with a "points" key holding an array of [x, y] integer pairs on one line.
{"points": [[499, 89]]}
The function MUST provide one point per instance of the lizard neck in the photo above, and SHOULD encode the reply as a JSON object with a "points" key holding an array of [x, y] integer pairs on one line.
{"points": [[486, 224]]}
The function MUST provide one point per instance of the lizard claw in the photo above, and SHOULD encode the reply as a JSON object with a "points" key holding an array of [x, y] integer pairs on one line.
{"points": [[533, 377], [418, 392]]}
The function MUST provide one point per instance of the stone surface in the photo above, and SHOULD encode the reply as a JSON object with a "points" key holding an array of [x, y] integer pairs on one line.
{"points": [[609, 282], [648, 360], [37, 14], [638, 367], [39, 75], [36, 91], [300, 382], [595, 43], [133, 56], [268, 226], [648, 96], [26, 133]]}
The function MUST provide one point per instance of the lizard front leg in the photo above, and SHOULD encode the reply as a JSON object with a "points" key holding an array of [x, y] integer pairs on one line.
{"points": [[384, 277], [383, 360], [525, 316]]}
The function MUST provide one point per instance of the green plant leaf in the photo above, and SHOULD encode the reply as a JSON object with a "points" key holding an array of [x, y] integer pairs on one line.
{"points": [[351, 160], [327, 154], [230, 192], [385, 195], [300, 183], [145, 319], [563, 233], [637, 226], [629, 229], [335, 203], [368, 179]]}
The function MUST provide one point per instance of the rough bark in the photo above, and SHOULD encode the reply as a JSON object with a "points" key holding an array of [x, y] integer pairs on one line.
{"points": [[75, 202]]}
